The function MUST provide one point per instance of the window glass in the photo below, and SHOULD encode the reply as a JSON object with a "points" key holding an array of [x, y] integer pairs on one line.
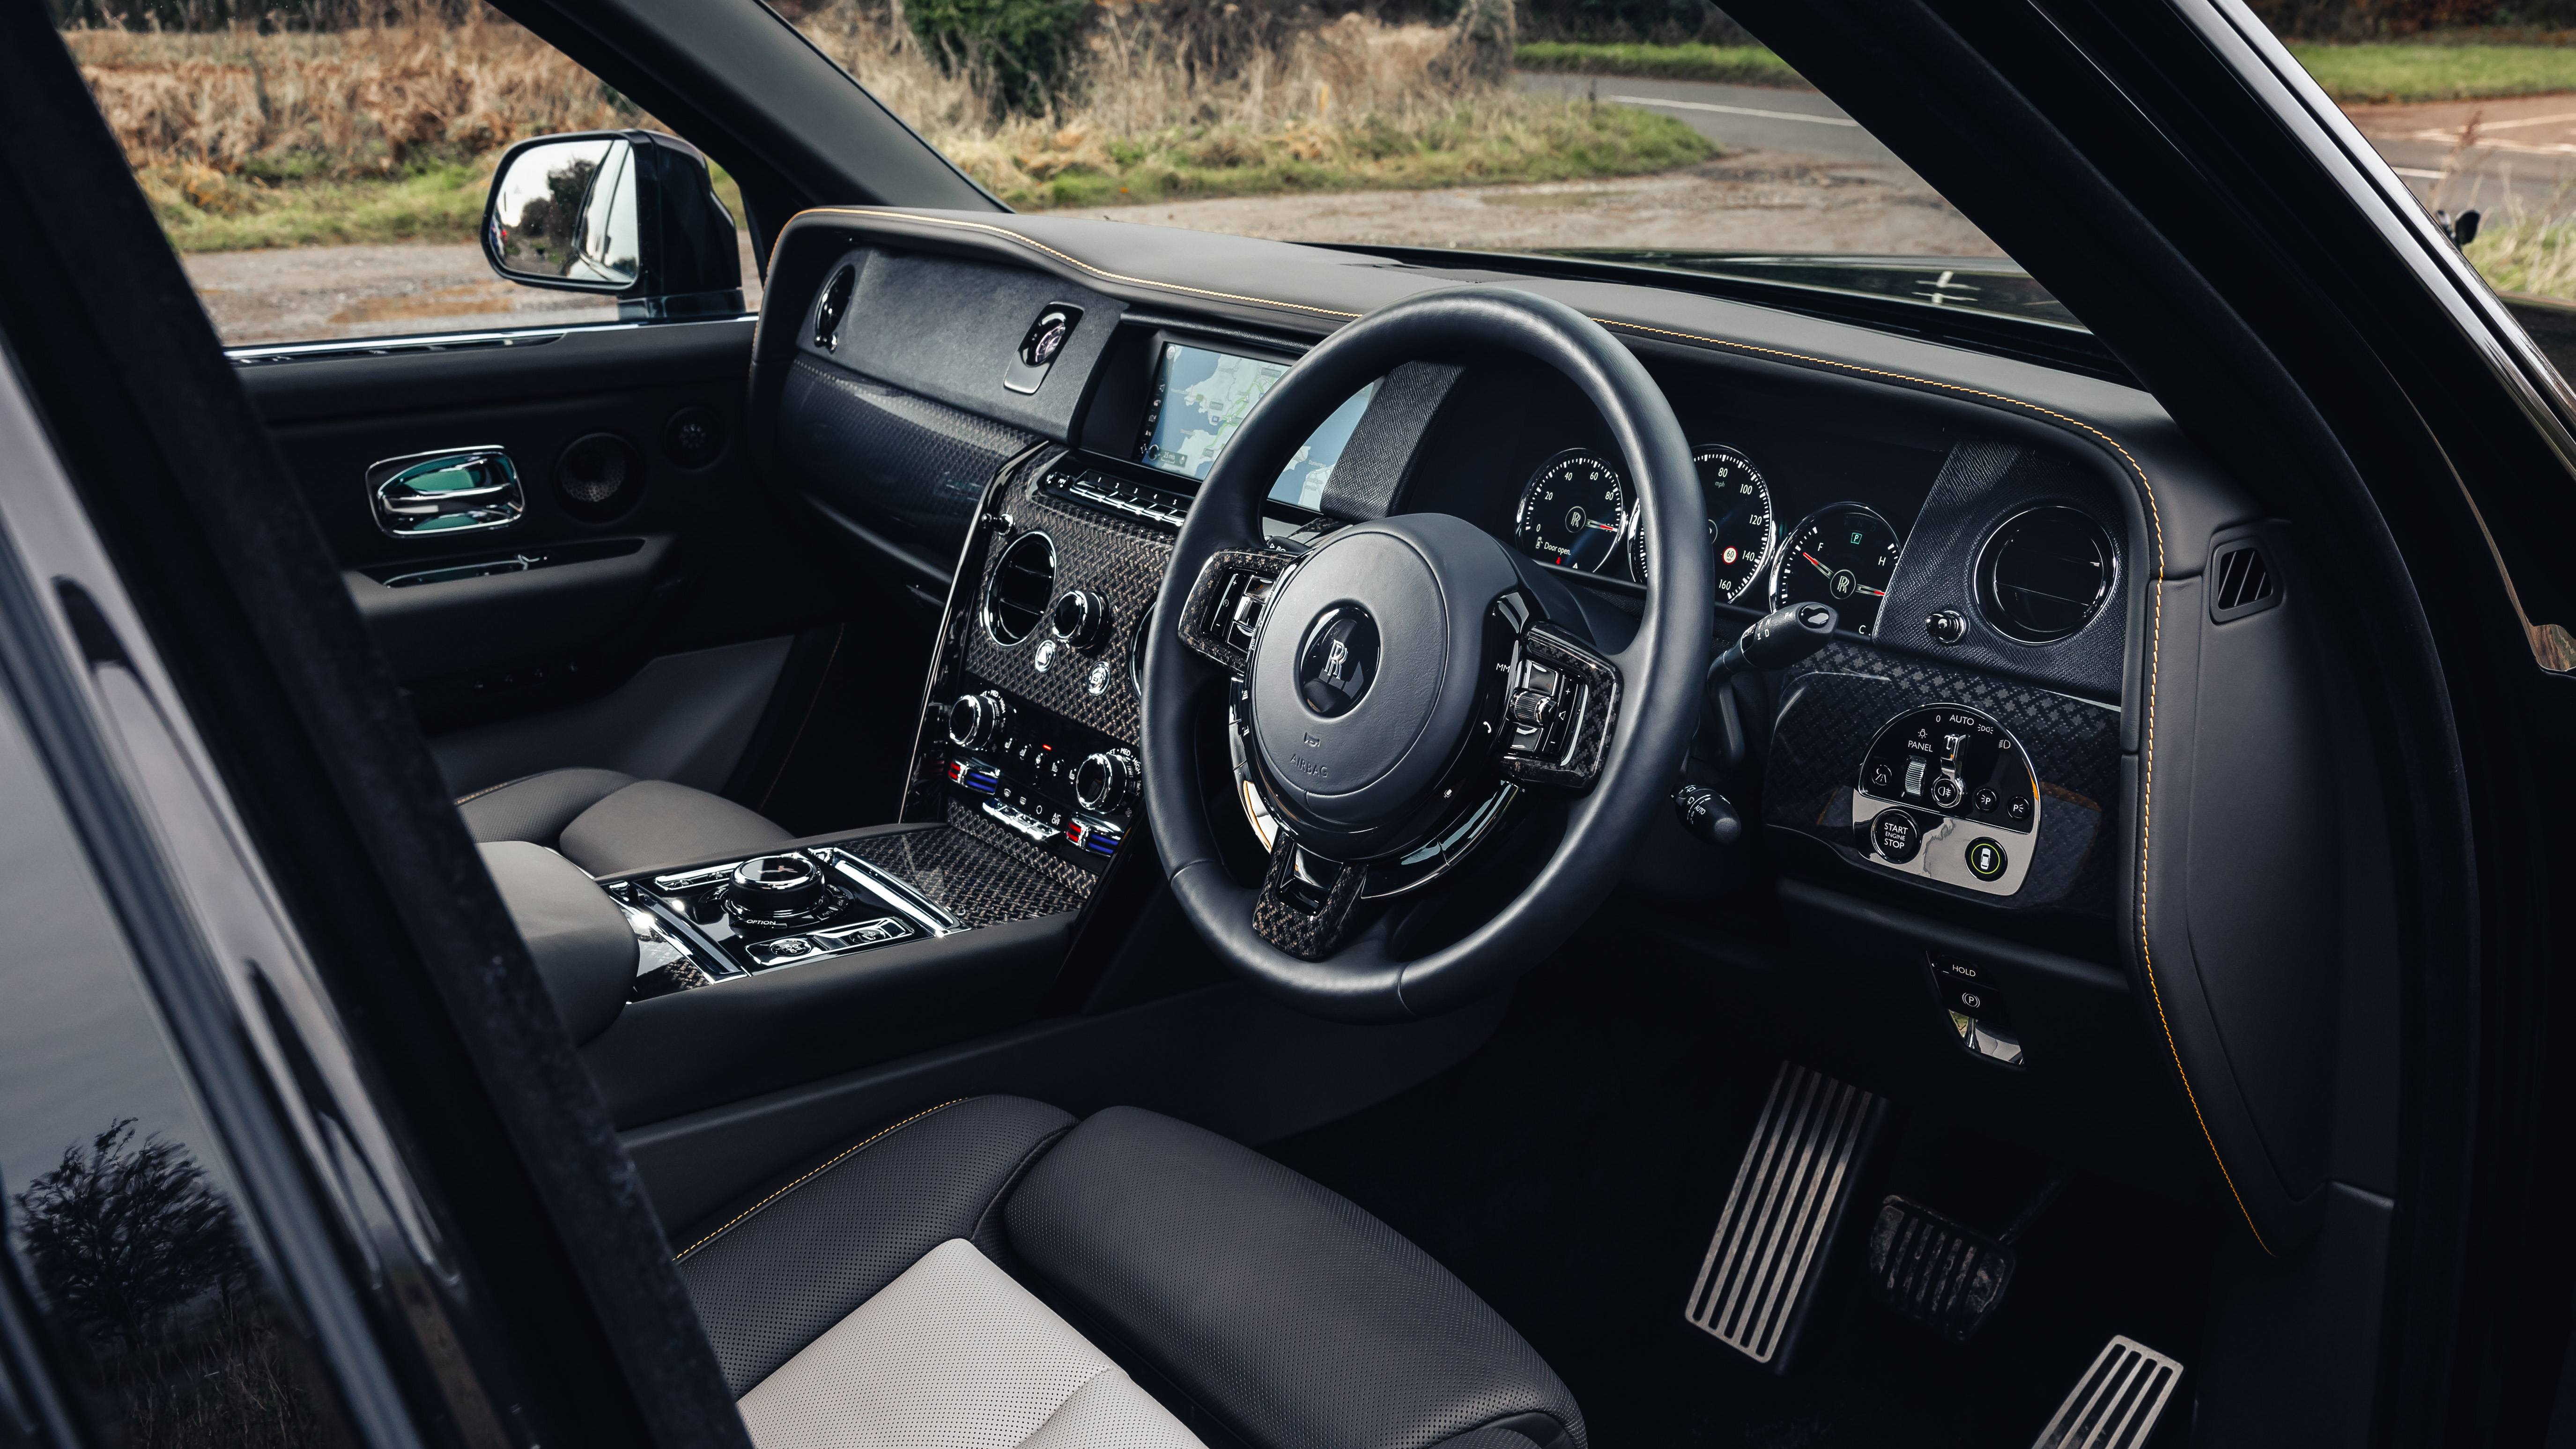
{"points": [[321, 167], [124, 1229], [1632, 130]]}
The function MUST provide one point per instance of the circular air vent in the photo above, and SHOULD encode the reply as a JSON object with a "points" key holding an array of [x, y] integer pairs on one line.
{"points": [[599, 478], [836, 300], [2044, 574], [1022, 587]]}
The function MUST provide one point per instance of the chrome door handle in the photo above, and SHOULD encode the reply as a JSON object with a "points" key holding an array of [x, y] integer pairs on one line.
{"points": [[452, 490]]}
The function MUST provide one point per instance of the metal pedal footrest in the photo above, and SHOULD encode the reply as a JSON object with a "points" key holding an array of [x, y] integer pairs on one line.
{"points": [[2117, 1402], [1789, 1194]]}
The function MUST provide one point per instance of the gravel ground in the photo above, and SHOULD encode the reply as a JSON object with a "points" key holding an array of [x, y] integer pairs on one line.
{"points": [[1750, 201], [308, 294]]}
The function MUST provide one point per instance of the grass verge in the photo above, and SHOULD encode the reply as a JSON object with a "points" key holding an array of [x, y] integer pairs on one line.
{"points": [[2532, 252], [202, 209], [1492, 141], [2383, 73], [1750, 65]]}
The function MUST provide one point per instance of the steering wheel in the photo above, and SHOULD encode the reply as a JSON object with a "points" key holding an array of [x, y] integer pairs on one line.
{"points": [[1404, 685]]}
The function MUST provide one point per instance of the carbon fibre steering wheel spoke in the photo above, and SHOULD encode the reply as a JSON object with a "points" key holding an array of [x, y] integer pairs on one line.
{"points": [[1306, 902]]}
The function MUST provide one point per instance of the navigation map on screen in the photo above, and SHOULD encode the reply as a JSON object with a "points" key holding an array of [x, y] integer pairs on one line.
{"points": [[1201, 396]]}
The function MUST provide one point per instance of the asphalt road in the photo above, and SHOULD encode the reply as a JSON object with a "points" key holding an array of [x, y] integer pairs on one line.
{"points": [[2520, 151], [1740, 118]]}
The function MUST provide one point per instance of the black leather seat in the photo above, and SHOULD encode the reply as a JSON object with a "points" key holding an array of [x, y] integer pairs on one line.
{"points": [[991, 1272], [608, 823]]}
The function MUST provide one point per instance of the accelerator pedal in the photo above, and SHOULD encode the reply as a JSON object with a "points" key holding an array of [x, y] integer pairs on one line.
{"points": [[1943, 1275], [2117, 1402], [1789, 1194]]}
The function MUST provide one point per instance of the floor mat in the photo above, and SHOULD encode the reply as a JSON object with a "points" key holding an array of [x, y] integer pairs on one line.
{"points": [[1572, 1170]]}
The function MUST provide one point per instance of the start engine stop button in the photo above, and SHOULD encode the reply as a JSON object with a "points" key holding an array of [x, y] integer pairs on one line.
{"points": [[1896, 836]]}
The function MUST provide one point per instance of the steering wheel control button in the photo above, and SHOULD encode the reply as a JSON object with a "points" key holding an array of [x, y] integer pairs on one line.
{"points": [[1895, 836], [1986, 859], [1339, 662]]}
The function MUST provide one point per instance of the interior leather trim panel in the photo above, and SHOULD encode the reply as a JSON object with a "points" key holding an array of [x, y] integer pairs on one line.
{"points": [[2085, 408]]}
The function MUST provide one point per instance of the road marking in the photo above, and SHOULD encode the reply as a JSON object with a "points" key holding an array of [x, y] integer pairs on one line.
{"points": [[1735, 110], [2419, 174]]}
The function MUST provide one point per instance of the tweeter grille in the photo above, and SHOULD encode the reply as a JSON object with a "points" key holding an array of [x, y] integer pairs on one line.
{"points": [[1022, 588], [2044, 574], [599, 478]]}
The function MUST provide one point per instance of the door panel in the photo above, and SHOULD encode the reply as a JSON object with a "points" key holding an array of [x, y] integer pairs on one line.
{"points": [[683, 718], [636, 615]]}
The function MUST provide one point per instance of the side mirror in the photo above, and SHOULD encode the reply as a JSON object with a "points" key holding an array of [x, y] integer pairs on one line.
{"points": [[630, 214]]}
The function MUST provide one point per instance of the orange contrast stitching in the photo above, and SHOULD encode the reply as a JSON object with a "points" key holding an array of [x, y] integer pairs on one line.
{"points": [[809, 1177]]}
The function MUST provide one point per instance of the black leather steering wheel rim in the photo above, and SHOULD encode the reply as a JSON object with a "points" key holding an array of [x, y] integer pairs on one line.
{"points": [[1660, 666]]}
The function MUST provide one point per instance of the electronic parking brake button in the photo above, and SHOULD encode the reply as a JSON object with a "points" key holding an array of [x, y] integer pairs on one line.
{"points": [[1895, 835]]}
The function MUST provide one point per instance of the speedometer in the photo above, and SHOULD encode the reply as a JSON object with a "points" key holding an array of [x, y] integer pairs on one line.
{"points": [[1740, 526], [1842, 555], [1574, 512]]}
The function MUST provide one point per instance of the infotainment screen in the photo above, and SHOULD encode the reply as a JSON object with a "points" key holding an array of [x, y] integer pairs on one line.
{"points": [[1201, 396]]}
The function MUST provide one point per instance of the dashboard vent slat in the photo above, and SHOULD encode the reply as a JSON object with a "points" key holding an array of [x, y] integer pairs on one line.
{"points": [[836, 300], [2044, 574], [1021, 590], [2242, 581]]}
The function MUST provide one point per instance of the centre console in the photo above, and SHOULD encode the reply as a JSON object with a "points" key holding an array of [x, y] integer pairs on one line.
{"points": [[722, 922]]}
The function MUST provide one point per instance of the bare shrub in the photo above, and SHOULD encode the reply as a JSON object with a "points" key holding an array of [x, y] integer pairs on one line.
{"points": [[372, 99]]}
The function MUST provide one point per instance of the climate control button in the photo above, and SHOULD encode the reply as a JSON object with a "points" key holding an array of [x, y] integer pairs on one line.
{"points": [[1107, 780], [977, 719]]}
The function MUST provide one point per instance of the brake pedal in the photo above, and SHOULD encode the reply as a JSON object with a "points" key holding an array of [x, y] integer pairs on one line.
{"points": [[1941, 1274], [2117, 1402], [1789, 1194]]}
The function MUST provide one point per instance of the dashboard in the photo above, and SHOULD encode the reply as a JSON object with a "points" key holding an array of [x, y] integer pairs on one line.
{"points": [[2060, 631]]}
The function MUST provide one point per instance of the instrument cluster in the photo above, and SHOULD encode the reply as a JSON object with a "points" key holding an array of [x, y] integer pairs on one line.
{"points": [[1577, 512]]}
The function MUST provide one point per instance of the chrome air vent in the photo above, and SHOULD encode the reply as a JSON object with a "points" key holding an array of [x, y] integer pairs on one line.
{"points": [[2044, 574], [836, 300], [1021, 589]]}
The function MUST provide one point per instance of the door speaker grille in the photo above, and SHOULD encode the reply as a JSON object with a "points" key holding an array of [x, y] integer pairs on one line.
{"points": [[599, 478], [2117, 1402], [1789, 1192], [1022, 588]]}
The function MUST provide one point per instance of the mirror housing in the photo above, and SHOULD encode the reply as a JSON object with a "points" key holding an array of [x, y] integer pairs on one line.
{"points": [[628, 214]]}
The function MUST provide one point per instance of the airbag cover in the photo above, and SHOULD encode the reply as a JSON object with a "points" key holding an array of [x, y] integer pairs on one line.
{"points": [[1364, 677]]}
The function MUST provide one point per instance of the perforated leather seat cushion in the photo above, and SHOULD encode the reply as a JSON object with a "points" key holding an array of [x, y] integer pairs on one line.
{"points": [[1277, 1305], [774, 1277], [609, 823]]}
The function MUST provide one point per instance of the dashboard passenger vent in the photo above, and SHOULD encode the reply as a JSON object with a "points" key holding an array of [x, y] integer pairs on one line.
{"points": [[1022, 587], [836, 300], [2044, 574], [2244, 582]]}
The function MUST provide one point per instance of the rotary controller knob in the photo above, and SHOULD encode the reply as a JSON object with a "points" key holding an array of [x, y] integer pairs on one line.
{"points": [[1080, 618], [770, 887], [977, 719], [1106, 781]]}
